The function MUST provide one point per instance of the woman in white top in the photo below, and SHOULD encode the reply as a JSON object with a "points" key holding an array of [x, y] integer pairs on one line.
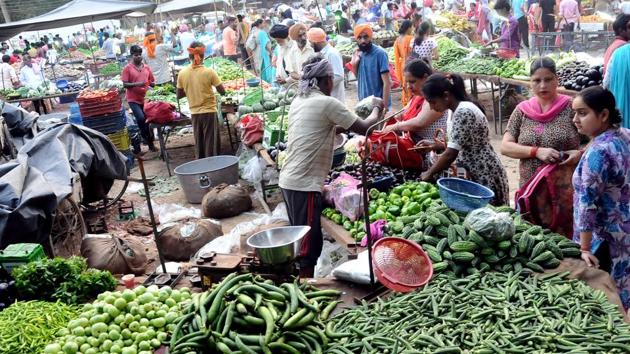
{"points": [[423, 47]]}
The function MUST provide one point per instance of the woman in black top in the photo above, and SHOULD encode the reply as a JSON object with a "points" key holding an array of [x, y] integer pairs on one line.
{"points": [[547, 18]]}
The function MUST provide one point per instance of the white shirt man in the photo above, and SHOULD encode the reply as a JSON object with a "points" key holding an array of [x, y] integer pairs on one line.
{"points": [[8, 76]]}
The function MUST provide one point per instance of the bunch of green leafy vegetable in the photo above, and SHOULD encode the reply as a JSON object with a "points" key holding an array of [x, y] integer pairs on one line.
{"points": [[449, 52], [110, 69], [68, 280]]}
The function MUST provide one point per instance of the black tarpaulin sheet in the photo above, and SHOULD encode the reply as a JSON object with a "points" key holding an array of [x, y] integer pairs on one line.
{"points": [[32, 185]]}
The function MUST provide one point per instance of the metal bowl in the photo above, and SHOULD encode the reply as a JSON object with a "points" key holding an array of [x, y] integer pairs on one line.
{"points": [[278, 245]]}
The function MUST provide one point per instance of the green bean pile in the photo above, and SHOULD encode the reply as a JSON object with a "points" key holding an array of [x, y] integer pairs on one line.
{"points": [[487, 313], [248, 315], [27, 326]]}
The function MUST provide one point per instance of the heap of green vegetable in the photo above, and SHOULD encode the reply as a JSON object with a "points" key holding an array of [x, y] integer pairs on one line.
{"points": [[514, 68], [110, 69], [130, 322], [226, 69], [485, 242], [399, 207], [68, 280], [487, 313], [271, 99], [475, 65], [165, 93], [449, 52], [27, 326], [249, 315]]}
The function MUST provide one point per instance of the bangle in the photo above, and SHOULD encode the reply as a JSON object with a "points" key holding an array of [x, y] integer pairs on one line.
{"points": [[585, 249], [533, 152]]}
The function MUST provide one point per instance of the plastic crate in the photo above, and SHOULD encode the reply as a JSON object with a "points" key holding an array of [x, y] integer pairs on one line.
{"points": [[18, 254], [271, 136], [120, 139], [105, 98], [100, 109], [108, 124], [68, 98]]}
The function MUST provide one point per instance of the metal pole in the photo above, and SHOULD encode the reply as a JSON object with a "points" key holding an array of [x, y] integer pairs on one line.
{"points": [[319, 11], [366, 209], [150, 208]]}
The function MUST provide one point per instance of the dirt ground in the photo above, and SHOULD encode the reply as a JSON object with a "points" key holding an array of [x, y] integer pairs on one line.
{"points": [[180, 150]]}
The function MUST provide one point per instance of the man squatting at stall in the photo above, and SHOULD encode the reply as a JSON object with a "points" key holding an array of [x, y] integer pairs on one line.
{"points": [[314, 117]]}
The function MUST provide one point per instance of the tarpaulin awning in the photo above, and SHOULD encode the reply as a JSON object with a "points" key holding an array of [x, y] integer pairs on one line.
{"points": [[74, 13], [179, 7]]}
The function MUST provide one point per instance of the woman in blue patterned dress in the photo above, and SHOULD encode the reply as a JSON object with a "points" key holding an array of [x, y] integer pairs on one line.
{"points": [[602, 186]]}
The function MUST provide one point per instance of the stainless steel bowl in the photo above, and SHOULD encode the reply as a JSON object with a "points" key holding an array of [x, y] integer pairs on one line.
{"points": [[278, 245]]}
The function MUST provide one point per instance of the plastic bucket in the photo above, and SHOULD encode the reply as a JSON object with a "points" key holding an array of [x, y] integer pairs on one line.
{"points": [[196, 177]]}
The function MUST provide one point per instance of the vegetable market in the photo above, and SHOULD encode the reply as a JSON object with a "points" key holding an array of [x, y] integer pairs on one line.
{"points": [[389, 177]]}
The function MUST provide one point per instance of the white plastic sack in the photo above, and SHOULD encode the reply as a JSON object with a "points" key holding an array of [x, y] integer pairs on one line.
{"points": [[356, 270], [332, 256], [253, 171], [168, 213], [230, 243]]}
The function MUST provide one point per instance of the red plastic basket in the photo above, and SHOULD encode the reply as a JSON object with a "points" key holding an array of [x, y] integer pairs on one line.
{"points": [[96, 109], [401, 265]]}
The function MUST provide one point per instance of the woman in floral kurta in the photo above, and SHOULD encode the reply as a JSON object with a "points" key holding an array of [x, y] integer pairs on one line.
{"points": [[602, 186]]}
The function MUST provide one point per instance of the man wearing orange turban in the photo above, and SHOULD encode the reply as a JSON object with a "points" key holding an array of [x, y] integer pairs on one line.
{"points": [[156, 56], [196, 82], [370, 64], [363, 29], [317, 38], [296, 58]]}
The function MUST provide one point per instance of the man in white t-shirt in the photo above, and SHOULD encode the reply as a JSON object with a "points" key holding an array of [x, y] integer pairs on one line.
{"points": [[7, 74], [108, 46], [185, 37], [156, 54], [313, 120]]}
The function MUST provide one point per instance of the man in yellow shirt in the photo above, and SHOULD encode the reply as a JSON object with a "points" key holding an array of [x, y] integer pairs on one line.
{"points": [[196, 82], [244, 28]]}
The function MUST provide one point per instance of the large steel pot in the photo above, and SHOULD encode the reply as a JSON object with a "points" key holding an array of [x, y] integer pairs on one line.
{"points": [[278, 245]]}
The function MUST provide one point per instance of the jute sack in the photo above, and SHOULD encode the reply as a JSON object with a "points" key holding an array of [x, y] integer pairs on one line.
{"points": [[181, 240], [226, 201], [107, 252]]}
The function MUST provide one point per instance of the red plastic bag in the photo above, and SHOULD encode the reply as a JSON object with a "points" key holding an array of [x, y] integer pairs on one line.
{"points": [[547, 199], [158, 112], [252, 129], [393, 150], [392, 75]]}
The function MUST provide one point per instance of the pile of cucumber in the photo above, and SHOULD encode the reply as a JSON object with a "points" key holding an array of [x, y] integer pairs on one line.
{"points": [[246, 314], [454, 248], [487, 313]]}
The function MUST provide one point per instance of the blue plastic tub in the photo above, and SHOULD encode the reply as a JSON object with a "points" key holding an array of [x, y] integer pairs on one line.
{"points": [[463, 195]]}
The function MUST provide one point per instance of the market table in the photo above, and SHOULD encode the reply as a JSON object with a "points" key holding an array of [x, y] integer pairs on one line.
{"points": [[163, 132], [25, 99], [338, 233]]}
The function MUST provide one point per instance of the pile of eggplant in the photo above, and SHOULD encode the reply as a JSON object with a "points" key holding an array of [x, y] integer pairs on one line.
{"points": [[8, 290], [275, 150], [579, 75], [375, 172]]}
